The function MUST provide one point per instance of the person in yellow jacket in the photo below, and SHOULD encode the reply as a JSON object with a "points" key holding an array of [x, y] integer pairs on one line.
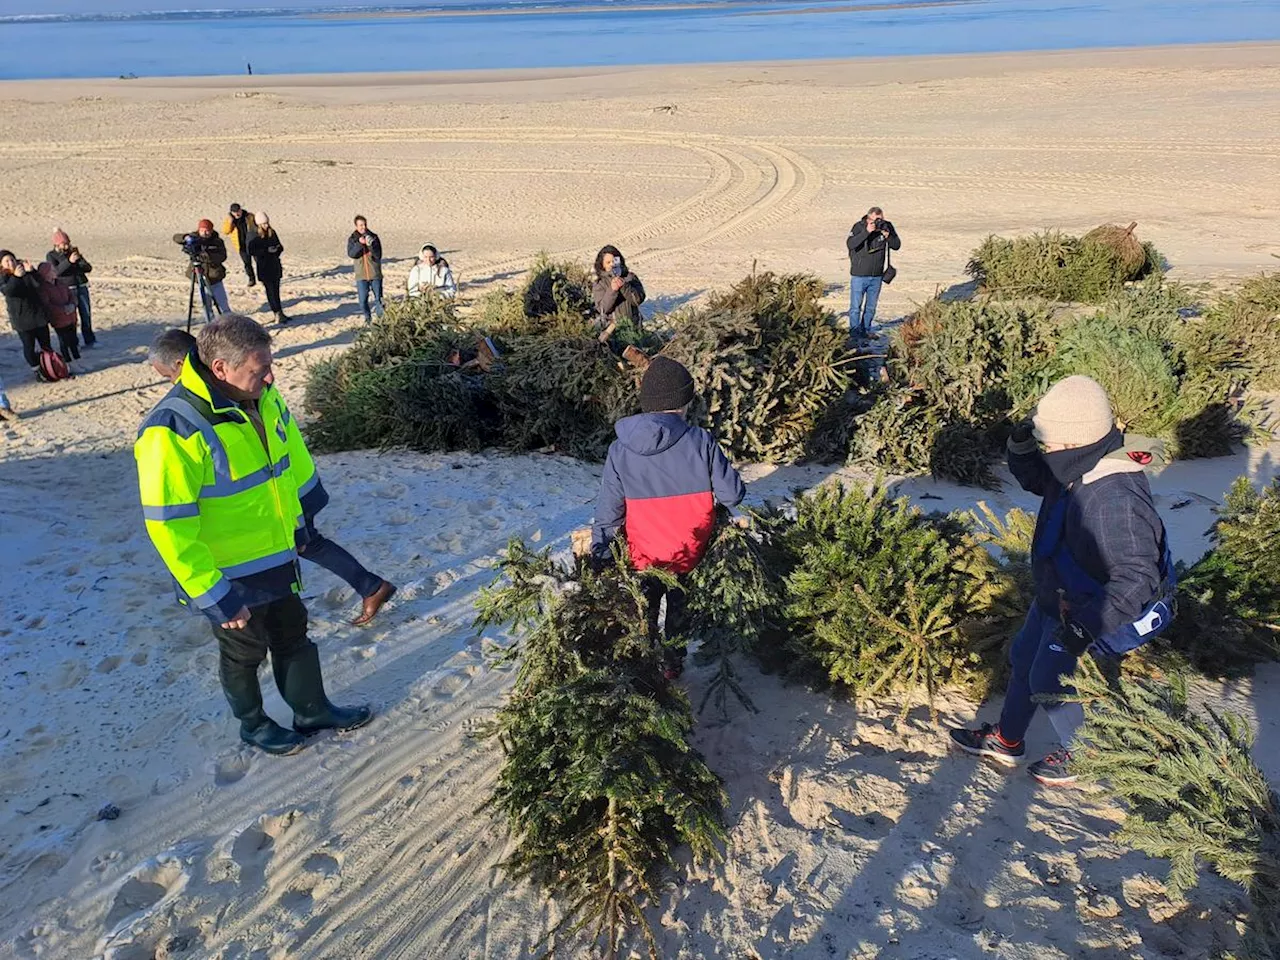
{"points": [[226, 480], [241, 226]]}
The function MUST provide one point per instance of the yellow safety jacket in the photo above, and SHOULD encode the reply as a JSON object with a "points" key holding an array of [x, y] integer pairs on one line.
{"points": [[223, 502]]}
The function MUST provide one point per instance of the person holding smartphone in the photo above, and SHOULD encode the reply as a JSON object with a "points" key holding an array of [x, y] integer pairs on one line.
{"points": [[617, 292]]}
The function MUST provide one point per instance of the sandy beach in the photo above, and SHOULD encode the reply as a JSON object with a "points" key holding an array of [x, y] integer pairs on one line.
{"points": [[849, 835]]}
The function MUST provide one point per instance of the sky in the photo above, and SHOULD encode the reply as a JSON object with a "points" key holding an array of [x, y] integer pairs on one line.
{"points": [[17, 7]]}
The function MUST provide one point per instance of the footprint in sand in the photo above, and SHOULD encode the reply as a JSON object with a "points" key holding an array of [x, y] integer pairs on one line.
{"points": [[144, 890], [321, 875], [231, 768], [245, 855], [70, 673], [109, 664], [390, 491]]}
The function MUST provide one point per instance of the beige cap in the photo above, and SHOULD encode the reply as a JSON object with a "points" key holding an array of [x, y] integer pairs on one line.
{"points": [[1075, 412]]}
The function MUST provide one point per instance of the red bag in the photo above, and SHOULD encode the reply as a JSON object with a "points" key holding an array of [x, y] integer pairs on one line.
{"points": [[53, 367]]}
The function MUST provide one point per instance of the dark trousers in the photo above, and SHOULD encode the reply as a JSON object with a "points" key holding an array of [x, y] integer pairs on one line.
{"points": [[68, 344], [1040, 659], [30, 338], [248, 266], [271, 286], [654, 591], [324, 552], [86, 313], [278, 628]]}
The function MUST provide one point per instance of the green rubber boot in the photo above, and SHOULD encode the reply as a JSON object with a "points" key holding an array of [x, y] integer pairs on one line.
{"points": [[240, 684], [302, 687]]}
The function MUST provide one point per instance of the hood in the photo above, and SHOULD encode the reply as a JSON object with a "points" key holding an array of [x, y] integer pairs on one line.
{"points": [[1137, 455], [649, 433]]}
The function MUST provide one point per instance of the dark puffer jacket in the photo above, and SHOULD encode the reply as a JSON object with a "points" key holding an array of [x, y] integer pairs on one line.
{"points": [[22, 297], [69, 274]]}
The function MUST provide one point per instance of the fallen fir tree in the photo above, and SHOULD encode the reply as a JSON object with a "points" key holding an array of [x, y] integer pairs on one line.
{"points": [[771, 362], [1063, 268], [853, 589], [599, 784], [1192, 791], [1229, 600]]}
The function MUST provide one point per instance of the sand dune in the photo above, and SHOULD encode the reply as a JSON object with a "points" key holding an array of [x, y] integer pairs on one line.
{"points": [[849, 835]]}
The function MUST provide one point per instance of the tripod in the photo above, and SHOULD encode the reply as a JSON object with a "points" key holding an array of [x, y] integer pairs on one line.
{"points": [[207, 299]]}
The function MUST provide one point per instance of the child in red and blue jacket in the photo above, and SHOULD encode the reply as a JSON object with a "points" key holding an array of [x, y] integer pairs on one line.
{"points": [[661, 483]]}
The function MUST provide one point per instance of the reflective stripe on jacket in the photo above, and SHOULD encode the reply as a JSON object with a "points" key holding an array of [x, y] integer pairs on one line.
{"points": [[224, 510]]}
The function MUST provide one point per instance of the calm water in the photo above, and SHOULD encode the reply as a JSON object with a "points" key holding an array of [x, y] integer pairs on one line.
{"points": [[97, 38]]}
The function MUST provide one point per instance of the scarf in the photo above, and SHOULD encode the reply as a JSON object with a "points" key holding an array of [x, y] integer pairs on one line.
{"points": [[1068, 466]]}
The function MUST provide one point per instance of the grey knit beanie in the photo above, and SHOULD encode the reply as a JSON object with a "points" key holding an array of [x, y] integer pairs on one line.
{"points": [[1075, 412]]}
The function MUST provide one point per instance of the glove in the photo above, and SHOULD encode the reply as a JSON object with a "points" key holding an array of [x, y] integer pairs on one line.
{"points": [[1022, 433], [1075, 637]]}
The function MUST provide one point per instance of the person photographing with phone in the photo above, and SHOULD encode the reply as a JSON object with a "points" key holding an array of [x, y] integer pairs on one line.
{"points": [[617, 292], [869, 243]]}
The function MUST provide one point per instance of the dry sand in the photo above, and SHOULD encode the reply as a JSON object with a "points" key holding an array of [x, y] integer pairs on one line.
{"points": [[849, 836]]}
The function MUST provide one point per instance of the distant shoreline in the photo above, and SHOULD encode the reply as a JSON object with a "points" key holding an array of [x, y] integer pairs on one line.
{"points": [[741, 6], [409, 85]]}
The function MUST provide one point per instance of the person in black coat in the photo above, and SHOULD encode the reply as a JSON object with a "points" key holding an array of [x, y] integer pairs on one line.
{"points": [[72, 270], [617, 291], [869, 243], [265, 247], [20, 285]]}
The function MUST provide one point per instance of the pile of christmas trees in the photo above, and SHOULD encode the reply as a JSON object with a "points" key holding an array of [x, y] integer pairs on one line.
{"points": [[960, 373], [530, 371], [599, 784]]}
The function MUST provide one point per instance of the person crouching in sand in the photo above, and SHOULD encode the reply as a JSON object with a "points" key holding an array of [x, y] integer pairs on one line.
{"points": [[224, 478], [1103, 572], [169, 351]]}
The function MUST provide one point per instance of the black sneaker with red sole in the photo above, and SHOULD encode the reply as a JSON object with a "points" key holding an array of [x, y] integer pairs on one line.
{"points": [[986, 742], [1054, 770]]}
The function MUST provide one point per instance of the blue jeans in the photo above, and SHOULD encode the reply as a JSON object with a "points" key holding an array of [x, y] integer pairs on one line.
{"points": [[861, 314], [86, 317], [324, 552], [363, 289], [1039, 660], [211, 293], [4, 397]]}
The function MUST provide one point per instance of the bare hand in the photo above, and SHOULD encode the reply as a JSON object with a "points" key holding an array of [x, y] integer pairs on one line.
{"points": [[884, 233], [616, 283], [240, 622], [75, 256]]}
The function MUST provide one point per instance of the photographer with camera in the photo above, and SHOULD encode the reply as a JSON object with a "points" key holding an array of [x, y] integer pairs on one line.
{"points": [[617, 291], [20, 285], [364, 247], [869, 243], [70, 267], [206, 259]]}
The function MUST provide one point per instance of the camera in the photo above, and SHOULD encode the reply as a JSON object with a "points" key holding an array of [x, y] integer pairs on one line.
{"points": [[877, 225], [191, 246]]}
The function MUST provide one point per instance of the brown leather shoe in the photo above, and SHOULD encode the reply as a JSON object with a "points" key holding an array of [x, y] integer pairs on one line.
{"points": [[373, 604]]}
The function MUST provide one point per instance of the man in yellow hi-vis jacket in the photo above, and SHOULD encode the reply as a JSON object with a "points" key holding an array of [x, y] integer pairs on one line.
{"points": [[224, 475]]}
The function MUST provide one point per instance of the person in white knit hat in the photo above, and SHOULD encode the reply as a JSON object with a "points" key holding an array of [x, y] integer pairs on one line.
{"points": [[1104, 577]]}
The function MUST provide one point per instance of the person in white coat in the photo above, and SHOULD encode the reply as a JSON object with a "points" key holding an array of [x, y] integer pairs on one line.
{"points": [[432, 272]]}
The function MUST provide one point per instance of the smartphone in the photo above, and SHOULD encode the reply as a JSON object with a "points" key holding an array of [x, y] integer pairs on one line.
{"points": [[617, 268]]}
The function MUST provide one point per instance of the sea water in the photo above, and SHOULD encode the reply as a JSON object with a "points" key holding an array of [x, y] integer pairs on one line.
{"points": [[113, 38]]}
